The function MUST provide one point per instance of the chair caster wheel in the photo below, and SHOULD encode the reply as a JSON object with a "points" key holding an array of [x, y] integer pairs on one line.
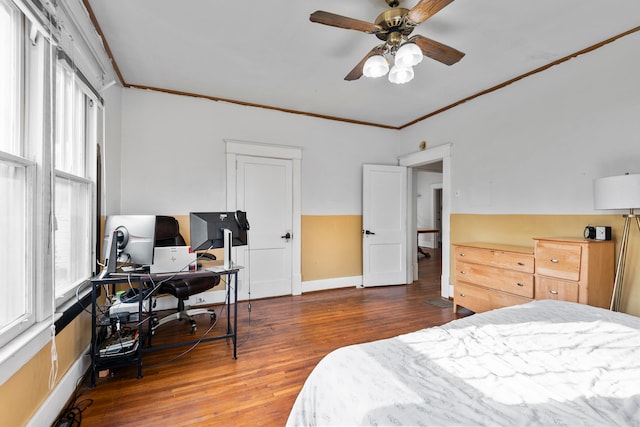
{"points": [[193, 327], [213, 317]]}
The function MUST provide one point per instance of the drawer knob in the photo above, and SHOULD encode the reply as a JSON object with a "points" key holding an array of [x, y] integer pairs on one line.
{"points": [[520, 284], [462, 254], [553, 260], [462, 272], [462, 295], [552, 292]]}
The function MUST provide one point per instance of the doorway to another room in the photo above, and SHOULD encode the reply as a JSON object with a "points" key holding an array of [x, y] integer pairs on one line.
{"points": [[428, 202], [436, 159]]}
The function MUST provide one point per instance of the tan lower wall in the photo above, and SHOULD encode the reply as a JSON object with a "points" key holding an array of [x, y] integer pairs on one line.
{"points": [[22, 395], [521, 229], [331, 246]]}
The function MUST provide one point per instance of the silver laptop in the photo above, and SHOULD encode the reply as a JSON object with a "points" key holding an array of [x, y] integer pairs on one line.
{"points": [[172, 259]]}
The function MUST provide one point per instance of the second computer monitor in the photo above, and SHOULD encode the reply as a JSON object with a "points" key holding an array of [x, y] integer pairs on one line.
{"points": [[207, 229]]}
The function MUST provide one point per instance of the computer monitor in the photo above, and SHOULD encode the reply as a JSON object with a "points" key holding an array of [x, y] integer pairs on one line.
{"points": [[128, 239], [209, 230]]}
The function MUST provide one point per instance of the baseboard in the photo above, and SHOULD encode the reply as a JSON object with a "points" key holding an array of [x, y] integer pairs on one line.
{"points": [[325, 284], [59, 396]]}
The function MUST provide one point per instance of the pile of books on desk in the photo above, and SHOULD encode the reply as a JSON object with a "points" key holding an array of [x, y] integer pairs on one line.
{"points": [[119, 345]]}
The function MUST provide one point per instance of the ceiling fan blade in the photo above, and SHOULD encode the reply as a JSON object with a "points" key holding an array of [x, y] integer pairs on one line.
{"points": [[356, 73], [340, 21], [436, 50], [424, 10]]}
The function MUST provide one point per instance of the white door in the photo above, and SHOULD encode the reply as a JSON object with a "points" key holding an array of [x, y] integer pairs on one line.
{"points": [[264, 191], [384, 222]]}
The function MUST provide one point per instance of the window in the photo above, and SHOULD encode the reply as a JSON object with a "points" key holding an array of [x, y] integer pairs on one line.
{"points": [[17, 184], [49, 123], [76, 120]]}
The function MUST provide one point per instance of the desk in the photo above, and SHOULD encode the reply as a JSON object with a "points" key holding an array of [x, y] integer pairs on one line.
{"points": [[425, 231], [101, 361]]}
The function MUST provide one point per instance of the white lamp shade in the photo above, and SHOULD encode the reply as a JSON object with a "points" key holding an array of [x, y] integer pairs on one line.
{"points": [[408, 55], [375, 66], [617, 192], [400, 75]]}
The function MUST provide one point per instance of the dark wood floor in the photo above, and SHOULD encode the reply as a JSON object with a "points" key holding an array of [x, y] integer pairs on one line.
{"points": [[280, 341]]}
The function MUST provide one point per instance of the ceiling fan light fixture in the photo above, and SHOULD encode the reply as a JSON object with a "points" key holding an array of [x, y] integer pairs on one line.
{"points": [[400, 74], [408, 55], [375, 66]]}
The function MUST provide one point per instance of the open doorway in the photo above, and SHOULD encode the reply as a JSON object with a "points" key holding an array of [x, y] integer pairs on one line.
{"points": [[428, 214], [428, 194], [440, 155]]}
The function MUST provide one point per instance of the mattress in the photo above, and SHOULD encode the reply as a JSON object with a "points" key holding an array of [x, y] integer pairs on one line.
{"points": [[541, 363]]}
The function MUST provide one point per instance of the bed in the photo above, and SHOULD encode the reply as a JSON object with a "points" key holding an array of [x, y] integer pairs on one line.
{"points": [[541, 363]]}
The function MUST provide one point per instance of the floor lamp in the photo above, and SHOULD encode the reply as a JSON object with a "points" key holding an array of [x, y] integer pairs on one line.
{"points": [[619, 192]]}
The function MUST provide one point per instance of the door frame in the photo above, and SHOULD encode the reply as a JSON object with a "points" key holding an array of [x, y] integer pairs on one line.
{"points": [[437, 153], [235, 148]]}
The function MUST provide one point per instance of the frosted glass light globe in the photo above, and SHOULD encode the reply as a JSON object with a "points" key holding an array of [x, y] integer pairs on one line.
{"points": [[400, 74], [408, 55], [375, 66]]}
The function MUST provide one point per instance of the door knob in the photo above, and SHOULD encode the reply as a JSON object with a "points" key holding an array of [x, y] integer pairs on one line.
{"points": [[286, 236]]}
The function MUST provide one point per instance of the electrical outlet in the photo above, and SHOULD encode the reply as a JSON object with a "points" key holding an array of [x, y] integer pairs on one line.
{"points": [[199, 300]]}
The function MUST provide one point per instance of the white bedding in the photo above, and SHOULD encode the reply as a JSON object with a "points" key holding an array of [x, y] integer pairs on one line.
{"points": [[543, 363]]}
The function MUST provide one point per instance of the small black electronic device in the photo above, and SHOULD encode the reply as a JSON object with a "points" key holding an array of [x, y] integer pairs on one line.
{"points": [[589, 232], [597, 232]]}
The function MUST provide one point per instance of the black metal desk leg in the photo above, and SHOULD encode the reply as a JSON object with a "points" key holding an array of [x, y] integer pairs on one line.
{"points": [[235, 315], [229, 281], [92, 380]]}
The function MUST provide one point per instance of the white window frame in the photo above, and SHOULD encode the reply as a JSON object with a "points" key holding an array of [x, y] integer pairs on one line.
{"points": [[18, 154], [41, 39], [81, 174]]}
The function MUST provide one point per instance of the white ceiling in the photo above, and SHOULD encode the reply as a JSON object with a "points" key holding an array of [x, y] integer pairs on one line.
{"points": [[269, 53]]}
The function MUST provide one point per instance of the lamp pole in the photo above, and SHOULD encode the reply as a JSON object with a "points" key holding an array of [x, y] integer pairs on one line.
{"points": [[616, 296]]}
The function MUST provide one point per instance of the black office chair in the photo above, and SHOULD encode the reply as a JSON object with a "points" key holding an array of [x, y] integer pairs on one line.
{"points": [[168, 234]]}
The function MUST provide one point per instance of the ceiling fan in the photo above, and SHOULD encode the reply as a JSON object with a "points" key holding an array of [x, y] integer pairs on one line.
{"points": [[394, 27]]}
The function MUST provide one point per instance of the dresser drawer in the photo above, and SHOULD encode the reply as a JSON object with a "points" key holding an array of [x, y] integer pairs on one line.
{"points": [[557, 259], [479, 299], [496, 258], [499, 279], [549, 288]]}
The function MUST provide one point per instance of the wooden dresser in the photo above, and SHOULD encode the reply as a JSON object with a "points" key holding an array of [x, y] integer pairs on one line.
{"points": [[489, 276], [576, 270]]}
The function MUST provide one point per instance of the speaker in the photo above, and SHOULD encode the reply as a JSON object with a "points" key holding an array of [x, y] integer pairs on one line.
{"points": [[589, 232]]}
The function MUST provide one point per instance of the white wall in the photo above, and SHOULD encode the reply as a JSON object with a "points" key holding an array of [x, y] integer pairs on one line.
{"points": [[111, 150], [536, 145], [173, 153]]}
